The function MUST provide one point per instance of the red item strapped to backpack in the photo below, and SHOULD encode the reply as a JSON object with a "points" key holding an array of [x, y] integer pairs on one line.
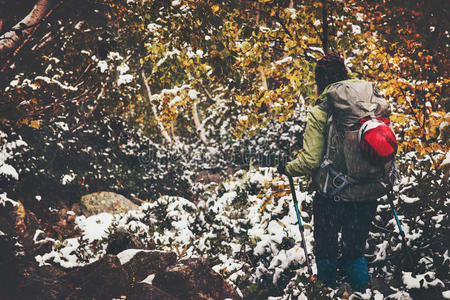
{"points": [[377, 140]]}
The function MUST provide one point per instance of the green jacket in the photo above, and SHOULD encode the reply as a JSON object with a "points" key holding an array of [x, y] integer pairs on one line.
{"points": [[314, 143]]}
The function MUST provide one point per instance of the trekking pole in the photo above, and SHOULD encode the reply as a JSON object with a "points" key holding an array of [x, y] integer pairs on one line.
{"points": [[405, 247], [300, 225], [391, 203]]}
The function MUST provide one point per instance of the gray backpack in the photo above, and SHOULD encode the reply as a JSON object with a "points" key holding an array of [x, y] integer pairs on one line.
{"points": [[345, 174]]}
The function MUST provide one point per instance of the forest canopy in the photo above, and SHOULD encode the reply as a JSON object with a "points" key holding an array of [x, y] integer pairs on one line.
{"points": [[165, 65]]}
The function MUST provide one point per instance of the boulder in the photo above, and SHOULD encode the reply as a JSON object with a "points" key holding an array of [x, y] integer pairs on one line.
{"points": [[109, 279], [143, 291], [43, 283], [109, 202], [206, 177], [10, 271], [145, 263], [194, 279], [104, 279], [121, 240]]}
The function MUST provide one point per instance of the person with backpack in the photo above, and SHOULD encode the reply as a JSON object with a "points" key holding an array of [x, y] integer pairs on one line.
{"points": [[349, 151]]}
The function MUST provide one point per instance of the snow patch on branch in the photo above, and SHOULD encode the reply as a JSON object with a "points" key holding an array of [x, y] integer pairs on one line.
{"points": [[4, 199], [7, 152], [53, 80], [125, 79], [421, 280]]}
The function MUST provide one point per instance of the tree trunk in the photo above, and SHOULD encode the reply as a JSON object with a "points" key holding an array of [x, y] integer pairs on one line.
{"points": [[12, 38], [198, 126], [291, 4], [155, 113], [325, 26], [257, 21]]}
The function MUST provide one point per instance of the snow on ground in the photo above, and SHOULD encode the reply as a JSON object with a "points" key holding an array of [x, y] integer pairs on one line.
{"points": [[247, 225], [126, 255], [420, 280]]}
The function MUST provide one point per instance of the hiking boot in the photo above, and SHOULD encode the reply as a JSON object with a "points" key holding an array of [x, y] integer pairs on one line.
{"points": [[326, 271], [358, 273]]}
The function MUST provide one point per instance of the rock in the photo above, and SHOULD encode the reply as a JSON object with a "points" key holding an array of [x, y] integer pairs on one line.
{"points": [[378, 283], [46, 281], [434, 292], [43, 247], [9, 267], [108, 279], [7, 218], [43, 283], [194, 279], [109, 202], [143, 291], [121, 240], [104, 279], [207, 177], [146, 263], [51, 272]]}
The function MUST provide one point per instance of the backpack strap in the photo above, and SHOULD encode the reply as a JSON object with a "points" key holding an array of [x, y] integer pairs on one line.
{"points": [[337, 179]]}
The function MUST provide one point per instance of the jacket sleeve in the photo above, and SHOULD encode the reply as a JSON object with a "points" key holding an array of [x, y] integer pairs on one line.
{"points": [[314, 141]]}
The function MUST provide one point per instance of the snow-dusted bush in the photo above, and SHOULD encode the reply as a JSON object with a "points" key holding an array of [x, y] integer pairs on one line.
{"points": [[247, 228]]}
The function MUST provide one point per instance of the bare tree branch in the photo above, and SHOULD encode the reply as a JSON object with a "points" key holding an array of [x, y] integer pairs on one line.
{"points": [[208, 94], [81, 124]]}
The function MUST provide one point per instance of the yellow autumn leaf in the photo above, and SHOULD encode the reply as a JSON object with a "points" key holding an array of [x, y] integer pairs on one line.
{"points": [[215, 8], [399, 118], [35, 124], [20, 217]]}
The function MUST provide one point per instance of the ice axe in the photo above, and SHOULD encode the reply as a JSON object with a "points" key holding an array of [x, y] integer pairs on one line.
{"points": [[300, 225]]}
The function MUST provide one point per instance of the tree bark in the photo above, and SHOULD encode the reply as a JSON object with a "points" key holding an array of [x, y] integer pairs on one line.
{"points": [[261, 72], [325, 26], [10, 40], [198, 126], [291, 4], [155, 113]]}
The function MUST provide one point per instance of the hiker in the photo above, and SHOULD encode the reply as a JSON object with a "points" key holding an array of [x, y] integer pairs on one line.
{"points": [[348, 150]]}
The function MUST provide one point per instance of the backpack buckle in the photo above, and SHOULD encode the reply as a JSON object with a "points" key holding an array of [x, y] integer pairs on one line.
{"points": [[325, 163], [339, 181]]}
